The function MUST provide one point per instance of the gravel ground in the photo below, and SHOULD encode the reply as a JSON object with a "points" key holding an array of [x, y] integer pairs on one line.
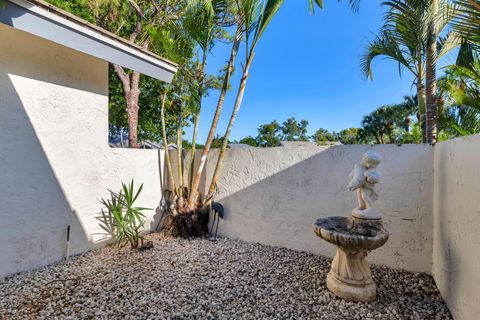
{"points": [[202, 279]]}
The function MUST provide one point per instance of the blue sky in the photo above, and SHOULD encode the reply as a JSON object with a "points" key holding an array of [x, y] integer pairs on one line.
{"points": [[307, 66]]}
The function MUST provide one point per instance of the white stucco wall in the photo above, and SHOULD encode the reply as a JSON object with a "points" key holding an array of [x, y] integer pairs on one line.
{"points": [[456, 242], [56, 163], [273, 195], [54, 154]]}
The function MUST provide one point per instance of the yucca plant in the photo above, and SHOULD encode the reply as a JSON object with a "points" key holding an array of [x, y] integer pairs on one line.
{"points": [[121, 219]]}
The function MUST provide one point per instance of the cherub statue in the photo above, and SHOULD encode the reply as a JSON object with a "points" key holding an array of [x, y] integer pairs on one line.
{"points": [[363, 179]]}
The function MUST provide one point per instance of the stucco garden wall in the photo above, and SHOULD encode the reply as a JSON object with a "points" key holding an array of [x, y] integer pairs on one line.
{"points": [[273, 195], [54, 154], [456, 242], [56, 163]]}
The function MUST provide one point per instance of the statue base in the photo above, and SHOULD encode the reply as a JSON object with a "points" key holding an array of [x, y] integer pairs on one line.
{"points": [[367, 214], [350, 277]]}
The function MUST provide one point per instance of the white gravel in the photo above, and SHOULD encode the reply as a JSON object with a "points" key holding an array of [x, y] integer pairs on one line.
{"points": [[202, 279]]}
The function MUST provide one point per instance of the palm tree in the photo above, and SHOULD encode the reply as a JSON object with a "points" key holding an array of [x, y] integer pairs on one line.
{"points": [[461, 87], [248, 15], [204, 20], [404, 38], [255, 15], [216, 118], [467, 21], [439, 14], [384, 124], [431, 120]]}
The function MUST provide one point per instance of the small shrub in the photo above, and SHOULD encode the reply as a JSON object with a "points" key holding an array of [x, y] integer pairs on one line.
{"points": [[120, 219]]}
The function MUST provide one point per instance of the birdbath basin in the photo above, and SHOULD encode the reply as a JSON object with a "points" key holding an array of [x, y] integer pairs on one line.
{"points": [[350, 277]]}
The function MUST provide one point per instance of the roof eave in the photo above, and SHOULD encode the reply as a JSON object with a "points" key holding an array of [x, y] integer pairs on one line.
{"points": [[28, 17]]}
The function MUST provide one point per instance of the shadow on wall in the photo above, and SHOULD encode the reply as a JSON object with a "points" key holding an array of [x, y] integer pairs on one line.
{"points": [[34, 212], [276, 204], [449, 260]]}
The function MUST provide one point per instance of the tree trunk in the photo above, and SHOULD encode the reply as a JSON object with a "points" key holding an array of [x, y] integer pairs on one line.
{"points": [[131, 89], [431, 79], [421, 107], [179, 155], [211, 135], [131, 82], [165, 144], [201, 78], [236, 108], [132, 111]]}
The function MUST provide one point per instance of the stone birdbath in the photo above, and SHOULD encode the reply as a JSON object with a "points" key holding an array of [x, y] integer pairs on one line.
{"points": [[350, 277]]}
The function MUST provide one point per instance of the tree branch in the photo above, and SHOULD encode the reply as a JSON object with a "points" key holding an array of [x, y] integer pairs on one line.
{"points": [[138, 24], [123, 77]]}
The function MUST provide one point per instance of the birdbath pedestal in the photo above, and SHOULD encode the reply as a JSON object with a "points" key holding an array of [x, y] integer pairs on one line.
{"points": [[350, 277]]}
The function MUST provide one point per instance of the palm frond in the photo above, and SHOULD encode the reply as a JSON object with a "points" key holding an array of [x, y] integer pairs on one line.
{"points": [[386, 46], [271, 8]]}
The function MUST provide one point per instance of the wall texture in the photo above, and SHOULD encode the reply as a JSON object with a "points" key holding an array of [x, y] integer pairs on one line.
{"points": [[54, 154], [456, 242], [273, 195]]}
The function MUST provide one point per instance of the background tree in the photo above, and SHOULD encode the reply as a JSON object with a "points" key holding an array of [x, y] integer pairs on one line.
{"points": [[322, 136], [251, 141], [295, 131], [348, 136], [269, 135], [389, 124]]}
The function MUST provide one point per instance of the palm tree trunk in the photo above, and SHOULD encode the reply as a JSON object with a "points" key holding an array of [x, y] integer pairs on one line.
{"points": [[421, 107], [216, 118], [165, 144], [179, 153], [236, 108], [191, 168], [201, 79], [431, 79]]}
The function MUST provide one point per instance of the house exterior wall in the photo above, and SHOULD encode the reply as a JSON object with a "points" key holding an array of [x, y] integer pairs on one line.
{"points": [[273, 195], [54, 155], [456, 236]]}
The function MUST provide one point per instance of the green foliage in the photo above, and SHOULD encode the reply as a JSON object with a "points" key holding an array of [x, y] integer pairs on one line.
{"points": [[403, 38], [348, 136], [251, 141], [467, 21], [121, 219], [269, 134], [80, 8], [460, 88], [389, 124], [322, 136], [295, 131], [217, 142]]}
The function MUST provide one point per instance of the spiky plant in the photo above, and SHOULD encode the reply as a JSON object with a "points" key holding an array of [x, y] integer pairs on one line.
{"points": [[121, 219]]}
